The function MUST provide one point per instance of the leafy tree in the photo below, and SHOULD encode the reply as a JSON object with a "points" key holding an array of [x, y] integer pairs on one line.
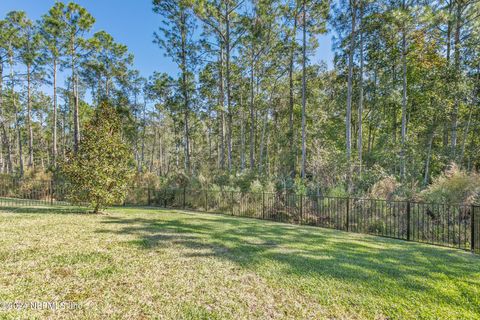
{"points": [[102, 167], [409, 70]]}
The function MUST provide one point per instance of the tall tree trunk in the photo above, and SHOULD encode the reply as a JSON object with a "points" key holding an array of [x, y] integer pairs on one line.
{"points": [[7, 146], [304, 89], [360, 99], [348, 120], [457, 74], [64, 130], [17, 121], [291, 119], [229, 98], [404, 104], [242, 135], [19, 134], [262, 143], [252, 111], [177, 147], [447, 75], [394, 106], [29, 118], [154, 145], [3, 168], [76, 116], [187, 139], [209, 134], [54, 121], [222, 111], [5, 138], [144, 133], [162, 158], [449, 30], [185, 93]]}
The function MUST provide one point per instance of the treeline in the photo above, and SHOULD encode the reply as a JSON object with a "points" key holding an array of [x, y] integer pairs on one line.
{"points": [[251, 107]]}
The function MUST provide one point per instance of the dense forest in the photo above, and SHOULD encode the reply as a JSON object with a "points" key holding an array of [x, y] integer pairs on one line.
{"points": [[250, 109]]}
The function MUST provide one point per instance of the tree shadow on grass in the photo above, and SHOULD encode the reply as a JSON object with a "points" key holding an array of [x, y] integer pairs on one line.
{"points": [[42, 210], [309, 252]]}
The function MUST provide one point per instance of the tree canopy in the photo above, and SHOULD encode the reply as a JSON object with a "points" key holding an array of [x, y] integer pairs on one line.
{"points": [[251, 104]]}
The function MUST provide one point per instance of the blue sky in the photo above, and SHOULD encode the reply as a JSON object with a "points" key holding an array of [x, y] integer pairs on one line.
{"points": [[131, 22]]}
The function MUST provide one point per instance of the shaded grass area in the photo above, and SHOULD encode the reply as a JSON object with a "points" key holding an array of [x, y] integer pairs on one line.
{"points": [[141, 263]]}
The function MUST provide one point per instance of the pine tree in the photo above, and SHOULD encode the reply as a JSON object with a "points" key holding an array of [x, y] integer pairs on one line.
{"points": [[176, 37], [52, 31], [77, 21]]}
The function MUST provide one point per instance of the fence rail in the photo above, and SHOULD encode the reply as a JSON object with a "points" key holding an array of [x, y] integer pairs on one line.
{"points": [[455, 226]]}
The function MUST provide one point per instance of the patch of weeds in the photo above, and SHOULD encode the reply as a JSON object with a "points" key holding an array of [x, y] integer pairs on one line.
{"points": [[79, 258], [140, 243], [104, 272], [195, 312]]}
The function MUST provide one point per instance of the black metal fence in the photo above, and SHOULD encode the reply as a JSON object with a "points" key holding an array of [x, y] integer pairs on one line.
{"points": [[14, 192], [439, 224], [455, 226]]}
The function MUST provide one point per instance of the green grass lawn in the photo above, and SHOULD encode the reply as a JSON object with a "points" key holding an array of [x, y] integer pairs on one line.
{"points": [[146, 263]]}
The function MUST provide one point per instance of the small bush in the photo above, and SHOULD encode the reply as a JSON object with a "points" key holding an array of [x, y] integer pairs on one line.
{"points": [[338, 191], [364, 182], [377, 227], [179, 180], [385, 188], [256, 186], [454, 186]]}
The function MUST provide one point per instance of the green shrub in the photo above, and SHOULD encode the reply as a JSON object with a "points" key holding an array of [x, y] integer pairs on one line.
{"points": [[376, 227], [454, 186], [338, 191]]}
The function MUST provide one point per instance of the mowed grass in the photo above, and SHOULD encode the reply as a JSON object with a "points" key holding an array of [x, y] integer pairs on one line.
{"points": [[135, 263]]}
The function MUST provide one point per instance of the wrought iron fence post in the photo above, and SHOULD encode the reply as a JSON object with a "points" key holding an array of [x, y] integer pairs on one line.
{"points": [[263, 205], [347, 218], [472, 230], [408, 220]]}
